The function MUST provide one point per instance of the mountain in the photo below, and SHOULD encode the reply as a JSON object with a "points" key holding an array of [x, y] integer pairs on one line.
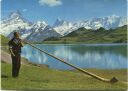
{"points": [[40, 30], [41, 34], [15, 22], [64, 27], [101, 35], [35, 28], [27, 30]]}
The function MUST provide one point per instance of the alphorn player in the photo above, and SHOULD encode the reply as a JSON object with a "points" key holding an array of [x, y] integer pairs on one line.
{"points": [[15, 45]]}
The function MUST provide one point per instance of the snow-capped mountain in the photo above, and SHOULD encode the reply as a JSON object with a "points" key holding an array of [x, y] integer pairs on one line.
{"points": [[35, 28], [105, 22], [41, 34], [64, 27], [31, 31], [15, 22], [40, 30]]}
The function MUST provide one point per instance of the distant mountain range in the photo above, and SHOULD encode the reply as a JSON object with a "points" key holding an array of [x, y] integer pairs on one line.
{"points": [[40, 30], [88, 36]]}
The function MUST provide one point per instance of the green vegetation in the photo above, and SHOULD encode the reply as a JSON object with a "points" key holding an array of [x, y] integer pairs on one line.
{"points": [[4, 40], [42, 78], [4, 43], [82, 35]]}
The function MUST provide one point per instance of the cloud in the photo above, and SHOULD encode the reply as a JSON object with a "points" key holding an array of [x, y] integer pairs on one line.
{"points": [[50, 3], [24, 10]]}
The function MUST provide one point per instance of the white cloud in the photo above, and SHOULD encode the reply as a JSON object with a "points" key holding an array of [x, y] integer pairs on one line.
{"points": [[24, 10], [50, 3]]}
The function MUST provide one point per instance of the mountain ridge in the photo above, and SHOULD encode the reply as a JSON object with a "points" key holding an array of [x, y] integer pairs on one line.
{"points": [[88, 36], [16, 22], [94, 23]]}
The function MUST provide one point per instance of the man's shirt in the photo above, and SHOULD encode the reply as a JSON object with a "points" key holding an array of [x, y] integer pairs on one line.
{"points": [[15, 44]]}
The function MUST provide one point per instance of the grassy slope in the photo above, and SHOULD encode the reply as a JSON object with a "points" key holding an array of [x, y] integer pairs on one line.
{"points": [[83, 35], [4, 43], [44, 78], [4, 40]]}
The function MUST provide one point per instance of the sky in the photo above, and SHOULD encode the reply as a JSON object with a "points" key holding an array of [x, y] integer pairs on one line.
{"points": [[69, 10]]}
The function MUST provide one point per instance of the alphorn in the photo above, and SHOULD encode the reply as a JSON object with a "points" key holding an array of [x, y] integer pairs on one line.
{"points": [[113, 80]]}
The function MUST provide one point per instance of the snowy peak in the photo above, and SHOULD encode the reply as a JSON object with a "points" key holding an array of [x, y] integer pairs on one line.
{"points": [[16, 17], [113, 17], [16, 14], [110, 22], [39, 24], [60, 22], [41, 33], [64, 27], [15, 22], [40, 30], [37, 31]]}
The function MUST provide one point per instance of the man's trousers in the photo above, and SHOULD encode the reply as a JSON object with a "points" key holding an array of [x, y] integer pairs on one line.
{"points": [[16, 62]]}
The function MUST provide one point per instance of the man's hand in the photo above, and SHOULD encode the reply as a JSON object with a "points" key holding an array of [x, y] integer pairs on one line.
{"points": [[11, 52], [21, 43]]}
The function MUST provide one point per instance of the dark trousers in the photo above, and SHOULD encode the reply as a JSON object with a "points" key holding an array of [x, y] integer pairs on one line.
{"points": [[16, 62]]}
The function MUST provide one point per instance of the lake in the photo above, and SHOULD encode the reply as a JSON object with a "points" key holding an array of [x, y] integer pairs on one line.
{"points": [[100, 56]]}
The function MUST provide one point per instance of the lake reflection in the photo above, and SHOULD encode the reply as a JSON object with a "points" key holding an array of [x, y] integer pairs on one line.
{"points": [[106, 56]]}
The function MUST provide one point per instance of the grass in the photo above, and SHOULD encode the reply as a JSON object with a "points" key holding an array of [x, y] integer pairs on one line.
{"points": [[4, 40], [37, 78]]}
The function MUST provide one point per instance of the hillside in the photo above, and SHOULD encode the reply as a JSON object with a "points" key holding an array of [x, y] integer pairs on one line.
{"points": [[4, 40], [37, 78], [82, 35]]}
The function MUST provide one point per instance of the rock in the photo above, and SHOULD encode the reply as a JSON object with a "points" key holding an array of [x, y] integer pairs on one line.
{"points": [[5, 57]]}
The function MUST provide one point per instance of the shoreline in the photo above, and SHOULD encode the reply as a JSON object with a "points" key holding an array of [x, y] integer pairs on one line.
{"points": [[31, 75], [100, 44], [70, 43], [5, 54], [74, 43]]}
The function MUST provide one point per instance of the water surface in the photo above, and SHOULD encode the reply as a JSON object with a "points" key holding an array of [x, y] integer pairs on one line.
{"points": [[101, 56]]}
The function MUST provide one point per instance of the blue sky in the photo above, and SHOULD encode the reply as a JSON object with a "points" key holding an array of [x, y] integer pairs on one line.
{"points": [[70, 10]]}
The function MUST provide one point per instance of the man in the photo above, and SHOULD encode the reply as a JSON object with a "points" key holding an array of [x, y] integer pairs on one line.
{"points": [[15, 45]]}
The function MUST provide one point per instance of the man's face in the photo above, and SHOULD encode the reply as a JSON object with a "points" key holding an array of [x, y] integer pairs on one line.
{"points": [[17, 35]]}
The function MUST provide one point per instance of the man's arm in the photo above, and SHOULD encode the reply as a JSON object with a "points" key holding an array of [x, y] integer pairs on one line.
{"points": [[10, 48]]}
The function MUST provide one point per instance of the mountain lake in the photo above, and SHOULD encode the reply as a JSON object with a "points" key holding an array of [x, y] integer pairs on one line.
{"points": [[99, 56]]}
